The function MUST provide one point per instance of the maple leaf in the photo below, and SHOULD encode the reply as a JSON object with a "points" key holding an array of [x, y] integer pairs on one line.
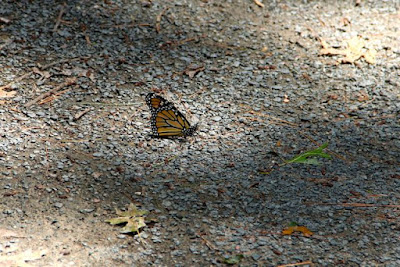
{"points": [[354, 50], [133, 218]]}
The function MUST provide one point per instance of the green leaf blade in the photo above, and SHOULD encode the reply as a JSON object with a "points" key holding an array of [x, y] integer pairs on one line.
{"points": [[117, 220], [133, 218], [234, 260], [310, 157]]}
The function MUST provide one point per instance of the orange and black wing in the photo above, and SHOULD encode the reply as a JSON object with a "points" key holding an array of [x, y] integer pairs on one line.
{"points": [[155, 101], [166, 120]]}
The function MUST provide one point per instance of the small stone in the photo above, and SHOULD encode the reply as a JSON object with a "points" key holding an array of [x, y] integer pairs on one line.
{"points": [[216, 118], [167, 203], [8, 212], [156, 239], [58, 205], [86, 210]]}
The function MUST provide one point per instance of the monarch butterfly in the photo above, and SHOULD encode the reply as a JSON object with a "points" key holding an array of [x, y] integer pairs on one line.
{"points": [[166, 120]]}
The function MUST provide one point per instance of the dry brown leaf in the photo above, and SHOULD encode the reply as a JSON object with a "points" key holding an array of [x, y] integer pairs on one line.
{"points": [[81, 72], [363, 96], [267, 67], [370, 56], [192, 70], [44, 74], [306, 76], [323, 181], [11, 193], [286, 99], [291, 229], [355, 50], [346, 21], [324, 44], [158, 19], [333, 97], [97, 174], [7, 94]]}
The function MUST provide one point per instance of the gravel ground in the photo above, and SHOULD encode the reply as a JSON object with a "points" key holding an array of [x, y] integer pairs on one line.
{"points": [[253, 78]]}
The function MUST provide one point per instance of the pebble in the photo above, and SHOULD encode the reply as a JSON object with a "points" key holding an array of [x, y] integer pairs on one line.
{"points": [[86, 210], [58, 205]]}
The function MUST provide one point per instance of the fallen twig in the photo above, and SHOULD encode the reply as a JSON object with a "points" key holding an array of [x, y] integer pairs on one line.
{"points": [[174, 43], [40, 67], [187, 40], [5, 20], [122, 26], [296, 264], [107, 104], [52, 97], [9, 41], [158, 19], [208, 243], [58, 21], [80, 141], [16, 80], [87, 38], [355, 205], [258, 3], [68, 82], [44, 67], [80, 114]]}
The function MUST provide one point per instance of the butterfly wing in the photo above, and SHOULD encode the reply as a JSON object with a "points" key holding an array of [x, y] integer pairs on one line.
{"points": [[155, 101], [166, 120]]}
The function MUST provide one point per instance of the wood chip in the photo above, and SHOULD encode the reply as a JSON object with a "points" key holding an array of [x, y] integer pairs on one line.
{"points": [[258, 3]]}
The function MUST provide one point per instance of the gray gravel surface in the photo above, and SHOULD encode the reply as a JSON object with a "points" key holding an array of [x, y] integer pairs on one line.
{"points": [[255, 82]]}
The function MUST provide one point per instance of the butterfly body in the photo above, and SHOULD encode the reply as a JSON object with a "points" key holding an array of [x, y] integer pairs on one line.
{"points": [[166, 119]]}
